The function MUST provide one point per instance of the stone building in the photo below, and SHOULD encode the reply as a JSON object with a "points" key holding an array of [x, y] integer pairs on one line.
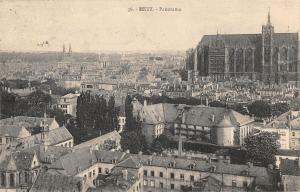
{"points": [[267, 56]]}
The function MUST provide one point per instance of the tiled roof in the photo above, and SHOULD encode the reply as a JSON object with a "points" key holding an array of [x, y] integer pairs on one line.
{"points": [[25, 121], [114, 136], [19, 160], [55, 136], [84, 158], [70, 95], [13, 131], [286, 152], [48, 182], [49, 153], [194, 115], [212, 116]]}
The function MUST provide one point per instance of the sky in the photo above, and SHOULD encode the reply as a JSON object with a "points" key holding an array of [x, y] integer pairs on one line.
{"points": [[107, 25]]}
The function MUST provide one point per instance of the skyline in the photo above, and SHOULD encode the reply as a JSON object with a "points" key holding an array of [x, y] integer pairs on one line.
{"points": [[108, 26]]}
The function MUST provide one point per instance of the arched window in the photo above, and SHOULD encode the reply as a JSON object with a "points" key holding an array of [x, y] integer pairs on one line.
{"points": [[283, 54], [293, 60], [231, 60], [2, 179], [275, 59], [239, 60], [12, 179], [249, 60]]}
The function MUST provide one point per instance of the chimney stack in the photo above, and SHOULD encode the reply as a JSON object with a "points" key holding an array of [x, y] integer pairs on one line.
{"points": [[183, 117], [125, 174]]}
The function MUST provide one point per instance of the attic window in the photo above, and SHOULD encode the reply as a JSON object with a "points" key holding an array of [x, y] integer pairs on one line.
{"points": [[192, 166], [114, 161], [172, 164], [149, 162]]}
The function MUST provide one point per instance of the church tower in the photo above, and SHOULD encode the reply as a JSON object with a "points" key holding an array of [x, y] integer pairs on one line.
{"points": [[268, 74], [70, 49]]}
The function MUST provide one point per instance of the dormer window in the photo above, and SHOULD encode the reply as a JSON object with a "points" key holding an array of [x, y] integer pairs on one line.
{"points": [[114, 161], [192, 166], [149, 162], [172, 164]]}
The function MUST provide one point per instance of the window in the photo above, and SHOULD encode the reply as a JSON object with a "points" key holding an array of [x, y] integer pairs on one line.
{"points": [[94, 173], [152, 173], [161, 174], [172, 186], [192, 177], [106, 170], [152, 183], [161, 185], [145, 172], [90, 174], [233, 183], [293, 133], [172, 175], [145, 182], [99, 170], [181, 176], [245, 184], [12, 179]]}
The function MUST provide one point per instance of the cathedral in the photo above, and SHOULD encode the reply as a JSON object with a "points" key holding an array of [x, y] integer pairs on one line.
{"points": [[268, 56]]}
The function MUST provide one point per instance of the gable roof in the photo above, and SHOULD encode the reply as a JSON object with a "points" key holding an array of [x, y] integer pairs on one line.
{"points": [[14, 131], [48, 182], [19, 160]]}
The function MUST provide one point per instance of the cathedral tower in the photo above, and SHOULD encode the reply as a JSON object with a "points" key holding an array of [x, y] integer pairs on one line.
{"points": [[268, 75]]}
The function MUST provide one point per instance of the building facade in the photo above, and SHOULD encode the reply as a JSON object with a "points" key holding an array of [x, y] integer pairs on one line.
{"points": [[267, 56]]}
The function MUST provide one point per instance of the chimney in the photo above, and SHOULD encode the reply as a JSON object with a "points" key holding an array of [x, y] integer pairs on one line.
{"points": [[125, 174], [213, 118], [183, 117]]}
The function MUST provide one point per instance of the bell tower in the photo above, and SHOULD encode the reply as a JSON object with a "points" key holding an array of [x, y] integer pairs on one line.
{"points": [[268, 75]]}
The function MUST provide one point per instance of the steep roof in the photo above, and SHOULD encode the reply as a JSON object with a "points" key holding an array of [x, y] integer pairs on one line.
{"points": [[13, 131], [250, 40], [55, 136], [19, 160], [48, 182], [26, 121]]}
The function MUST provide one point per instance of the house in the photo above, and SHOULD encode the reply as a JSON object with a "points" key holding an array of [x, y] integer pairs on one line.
{"points": [[49, 182], [56, 137], [108, 141], [68, 103], [287, 125], [19, 127], [286, 154], [119, 171], [290, 174], [18, 170], [216, 125]]}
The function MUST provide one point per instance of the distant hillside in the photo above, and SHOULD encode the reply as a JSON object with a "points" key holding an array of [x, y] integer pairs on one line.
{"points": [[44, 57]]}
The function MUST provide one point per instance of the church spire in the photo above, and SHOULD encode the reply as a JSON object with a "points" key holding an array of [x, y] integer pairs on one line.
{"points": [[269, 17], [70, 49]]}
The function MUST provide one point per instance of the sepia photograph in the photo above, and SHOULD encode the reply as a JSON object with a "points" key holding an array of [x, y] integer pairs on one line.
{"points": [[149, 95]]}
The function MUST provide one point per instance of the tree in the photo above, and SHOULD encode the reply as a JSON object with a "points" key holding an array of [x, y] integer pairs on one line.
{"points": [[216, 104], [129, 125], [260, 109], [279, 108], [262, 148]]}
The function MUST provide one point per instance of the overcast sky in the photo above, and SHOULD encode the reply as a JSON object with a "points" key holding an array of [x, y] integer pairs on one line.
{"points": [[106, 25]]}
